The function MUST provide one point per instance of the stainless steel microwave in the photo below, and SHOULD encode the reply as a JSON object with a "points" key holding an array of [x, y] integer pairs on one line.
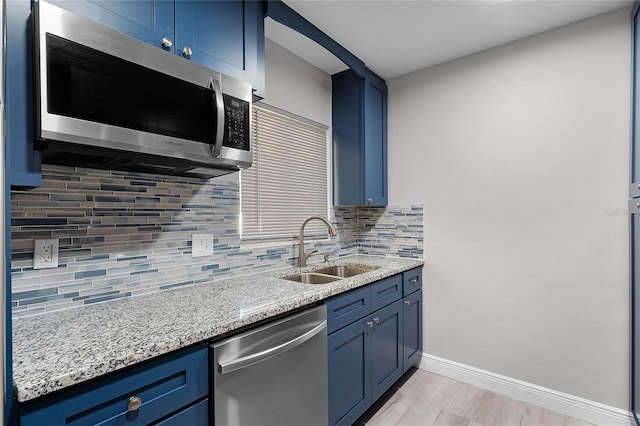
{"points": [[106, 100]]}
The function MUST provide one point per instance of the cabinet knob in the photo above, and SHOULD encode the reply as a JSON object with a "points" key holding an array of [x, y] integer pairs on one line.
{"points": [[369, 201], [134, 403], [370, 323], [406, 302], [413, 280], [166, 42], [376, 320], [186, 52]]}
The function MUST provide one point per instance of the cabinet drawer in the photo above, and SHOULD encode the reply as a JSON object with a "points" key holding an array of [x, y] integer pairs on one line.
{"points": [[347, 308], [197, 414], [386, 291], [164, 386], [412, 281]]}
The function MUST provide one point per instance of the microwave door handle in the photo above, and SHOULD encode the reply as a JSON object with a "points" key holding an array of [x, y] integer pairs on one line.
{"points": [[219, 104]]}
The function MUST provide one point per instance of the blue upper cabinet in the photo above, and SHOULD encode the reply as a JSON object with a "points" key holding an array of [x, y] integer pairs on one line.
{"points": [[221, 35], [226, 36], [359, 139], [146, 20], [23, 162]]}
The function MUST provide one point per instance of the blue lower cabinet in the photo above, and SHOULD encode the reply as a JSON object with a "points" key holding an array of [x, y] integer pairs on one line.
{"points": [[412, 330], [386, 348], [365, 347], [375, 336], [139, 396], [349, 373]]}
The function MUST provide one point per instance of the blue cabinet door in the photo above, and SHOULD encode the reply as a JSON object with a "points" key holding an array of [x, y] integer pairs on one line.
{"points": [[146, 20], [349, 373], [386, 348], [222, 35], [22, 161], [412, 330], [359, 117], [348, 176], [375, 140]]}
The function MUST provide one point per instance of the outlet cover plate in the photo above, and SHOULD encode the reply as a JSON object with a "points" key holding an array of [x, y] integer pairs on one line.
{"points": [[201, 245], [45, 254]]}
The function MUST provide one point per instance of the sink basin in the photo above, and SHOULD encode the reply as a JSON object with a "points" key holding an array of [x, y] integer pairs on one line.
{"points": [[344, 271], [312, 278], [328, 275]]}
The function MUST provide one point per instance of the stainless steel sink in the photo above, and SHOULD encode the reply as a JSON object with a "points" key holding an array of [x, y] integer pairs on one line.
{"points": [[344, 271], [328, 275], [312, 278]]}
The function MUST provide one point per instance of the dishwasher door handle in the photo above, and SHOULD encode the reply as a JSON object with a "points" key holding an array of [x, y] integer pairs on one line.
{"points": [[245, 361]]}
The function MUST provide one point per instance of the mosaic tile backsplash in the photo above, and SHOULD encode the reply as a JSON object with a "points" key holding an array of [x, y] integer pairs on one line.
{"points": [[123, 234]]}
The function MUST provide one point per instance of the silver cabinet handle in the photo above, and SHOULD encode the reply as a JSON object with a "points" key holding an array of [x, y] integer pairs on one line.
{"points": [[370, 323], [377, 320], [186, 51], [245, 361], [166, 42], [407, 302], [134, 403], [369, 201], [413, 280]]}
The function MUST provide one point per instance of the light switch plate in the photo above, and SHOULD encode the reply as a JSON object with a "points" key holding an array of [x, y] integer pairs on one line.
{"points": [[45, 254], [201, 245]]}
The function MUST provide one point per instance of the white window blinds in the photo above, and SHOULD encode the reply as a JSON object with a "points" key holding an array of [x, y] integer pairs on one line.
{"points": [[288, 179]]}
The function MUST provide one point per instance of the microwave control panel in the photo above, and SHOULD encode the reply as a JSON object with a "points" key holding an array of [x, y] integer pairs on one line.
{"points": [[236, 123]]}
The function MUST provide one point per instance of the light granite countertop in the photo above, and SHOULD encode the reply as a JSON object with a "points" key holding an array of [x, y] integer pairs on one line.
{"points": [[61, 349]]}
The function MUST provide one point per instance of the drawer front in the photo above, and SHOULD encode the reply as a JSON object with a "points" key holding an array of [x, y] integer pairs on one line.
{"points": [[412, 281], [386, 292], [196, 415], [344, 309], [163, 386]]}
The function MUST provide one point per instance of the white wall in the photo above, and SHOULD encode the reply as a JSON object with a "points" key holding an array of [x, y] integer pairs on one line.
{"points": [[520, 155], [296, 86]]}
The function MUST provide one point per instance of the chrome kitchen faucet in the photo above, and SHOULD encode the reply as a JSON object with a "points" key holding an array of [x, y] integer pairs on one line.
{"points": [[302, 259]]}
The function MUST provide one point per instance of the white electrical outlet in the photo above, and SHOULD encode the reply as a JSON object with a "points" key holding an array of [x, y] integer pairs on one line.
{"points": [[45, 254], [201, 245]]}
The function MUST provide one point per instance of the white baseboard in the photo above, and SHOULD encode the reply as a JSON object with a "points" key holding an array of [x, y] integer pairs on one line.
{"points": [[569, 405]]}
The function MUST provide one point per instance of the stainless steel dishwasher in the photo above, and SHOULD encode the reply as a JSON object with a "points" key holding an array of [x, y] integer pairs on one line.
{"points": [[273, 375]]}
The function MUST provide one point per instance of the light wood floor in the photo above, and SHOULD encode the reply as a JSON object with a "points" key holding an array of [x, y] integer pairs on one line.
{"points": [[424, 398]]}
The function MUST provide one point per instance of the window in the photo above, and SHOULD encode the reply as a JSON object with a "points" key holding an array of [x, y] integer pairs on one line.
{"points": [[288, 179]]}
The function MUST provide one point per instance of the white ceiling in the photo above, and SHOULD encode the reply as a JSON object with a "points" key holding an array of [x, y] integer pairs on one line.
{"points": [[394, 38]]}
